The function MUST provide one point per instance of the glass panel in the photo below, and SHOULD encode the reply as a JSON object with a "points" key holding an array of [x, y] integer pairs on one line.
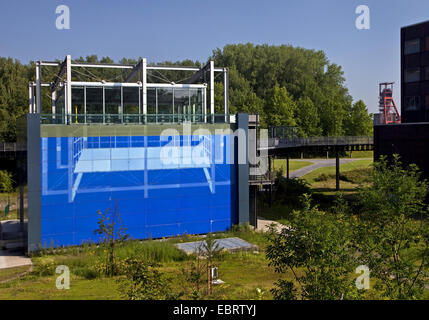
{"points": [[112, 100], [412, 46], [181, 102], [412, 74], [412, 103], [151, 101], [196, 97], [165, 104], [94, 100], [59, 104], [131, 100]]}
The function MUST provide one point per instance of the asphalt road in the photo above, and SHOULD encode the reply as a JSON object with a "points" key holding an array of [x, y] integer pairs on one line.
{"points": [[318, 163]]}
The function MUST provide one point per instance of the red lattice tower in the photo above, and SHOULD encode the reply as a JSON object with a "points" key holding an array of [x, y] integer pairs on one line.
{"points": [[388, 111]]}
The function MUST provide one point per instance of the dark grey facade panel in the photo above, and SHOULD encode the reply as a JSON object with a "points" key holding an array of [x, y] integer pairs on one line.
{"points": [[243, 173], [34, 181]]}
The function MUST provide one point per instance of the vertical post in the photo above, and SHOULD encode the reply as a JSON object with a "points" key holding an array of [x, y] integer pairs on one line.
{"points": [[21, 205], [144, 88], [30, 98], [38, 87], [68, 88], [337, 170], [271, 185], [226, 93], [287, 167], [104, 105], [212, 108], [84, 103], [122, 105], [54, 102], [140, 104]]}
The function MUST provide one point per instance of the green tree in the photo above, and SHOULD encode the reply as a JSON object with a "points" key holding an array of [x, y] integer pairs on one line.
{"points": [[111, 230], [359, 121], [13, 96], [211, 250], [280, 108], [307, 118], [393, 235], [317, 249]]}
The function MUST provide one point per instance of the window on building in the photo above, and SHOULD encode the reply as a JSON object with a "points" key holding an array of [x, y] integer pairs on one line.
{"points": [[412, 74], [412, 46], [427, 102], [427, 73], [412, 103]]}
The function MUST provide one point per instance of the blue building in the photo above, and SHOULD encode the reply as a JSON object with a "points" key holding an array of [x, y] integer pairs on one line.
{"points": [[151, 151]]}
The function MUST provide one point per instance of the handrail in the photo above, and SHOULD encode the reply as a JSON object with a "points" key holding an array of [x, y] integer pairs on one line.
{"points": [[317, 141], [134, 118]]}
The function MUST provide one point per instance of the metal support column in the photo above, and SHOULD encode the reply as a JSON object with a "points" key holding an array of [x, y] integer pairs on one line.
{"points": [[68, 89], [38, 87], [31, 98], [144, 88], [226, 93], [21, 205], [54, 102], [337, 170], [287, 167], [270, 171], [212, 107]]}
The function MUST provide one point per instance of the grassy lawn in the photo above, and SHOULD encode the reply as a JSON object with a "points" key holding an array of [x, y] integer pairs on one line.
{"points": [[360, 154], [9, 273], [243, 272], [293, 165], [313, 176]]}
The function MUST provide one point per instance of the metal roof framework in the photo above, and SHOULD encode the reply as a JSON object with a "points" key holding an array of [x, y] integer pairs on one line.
{"points": [[35, 88]]}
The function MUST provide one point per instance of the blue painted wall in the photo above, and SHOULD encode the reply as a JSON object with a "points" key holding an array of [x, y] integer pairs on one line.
{"points": [[81, 175]]}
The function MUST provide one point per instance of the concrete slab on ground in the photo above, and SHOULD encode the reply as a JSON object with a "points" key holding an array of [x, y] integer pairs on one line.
{"points": [[13, 259], [228, 244], [265, 224]]}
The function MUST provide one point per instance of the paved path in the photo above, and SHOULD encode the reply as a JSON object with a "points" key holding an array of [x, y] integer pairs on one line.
{"points": [[10, 258], [13, 259], [318, 163]]}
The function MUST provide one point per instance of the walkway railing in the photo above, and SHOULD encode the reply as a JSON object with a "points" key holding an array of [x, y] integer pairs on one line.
{"points": [[12, 147], [318, 141]]}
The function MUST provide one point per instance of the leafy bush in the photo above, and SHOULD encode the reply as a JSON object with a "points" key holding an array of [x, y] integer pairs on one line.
{"points": [[289, 191], [145, 282], [323, 177], [45, 268], [6, 181], [317, 249]]}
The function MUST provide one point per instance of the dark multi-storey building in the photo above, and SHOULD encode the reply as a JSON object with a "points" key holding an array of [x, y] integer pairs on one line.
{"points": [[415, 73], [410, 138]]}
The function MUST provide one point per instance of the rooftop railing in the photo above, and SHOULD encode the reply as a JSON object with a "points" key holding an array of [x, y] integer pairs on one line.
{"points": [[134, 118]]}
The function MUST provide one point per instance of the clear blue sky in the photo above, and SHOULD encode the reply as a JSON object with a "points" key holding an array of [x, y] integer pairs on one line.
{"points": [[176, 30]]}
